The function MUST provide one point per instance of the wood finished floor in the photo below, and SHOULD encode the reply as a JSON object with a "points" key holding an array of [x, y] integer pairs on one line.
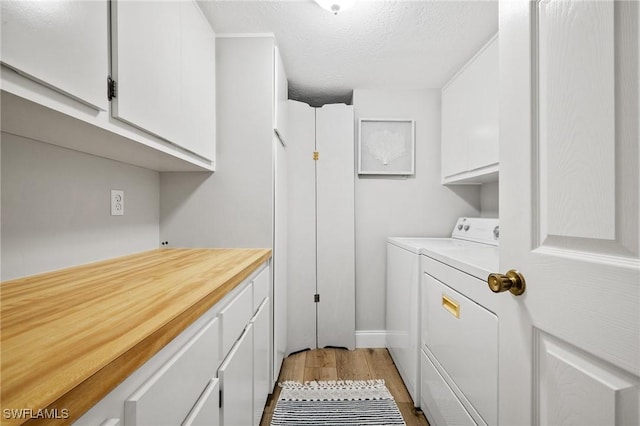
{"points": [[334, 364]]}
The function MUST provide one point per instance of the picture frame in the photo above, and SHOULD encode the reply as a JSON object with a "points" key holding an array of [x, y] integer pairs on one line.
{"points": [[386, 146]]}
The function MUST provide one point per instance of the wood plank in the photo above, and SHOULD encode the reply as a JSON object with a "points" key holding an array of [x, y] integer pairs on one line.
{"points": [[325, 358], [352, 365], [320, 373], [71, 336], [380, 362], [411, 415], [293, 368]]}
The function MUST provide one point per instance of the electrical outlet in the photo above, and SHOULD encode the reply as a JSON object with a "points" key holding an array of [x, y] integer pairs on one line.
{"points": [[117, 202]]}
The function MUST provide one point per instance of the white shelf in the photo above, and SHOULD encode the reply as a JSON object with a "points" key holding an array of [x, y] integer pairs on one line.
{"points": [[474, 177]]}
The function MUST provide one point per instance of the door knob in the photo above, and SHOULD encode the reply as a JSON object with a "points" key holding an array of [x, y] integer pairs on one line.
{"points": [[512, 281]]}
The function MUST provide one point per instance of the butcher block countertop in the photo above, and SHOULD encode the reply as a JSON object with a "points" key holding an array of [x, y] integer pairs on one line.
{"points": [[69, 337]]}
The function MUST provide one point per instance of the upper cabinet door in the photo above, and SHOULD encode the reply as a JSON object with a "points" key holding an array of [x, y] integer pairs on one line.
{"points": [[163, 61], [482, 101], [62, 44], [454, 158], [198, 82], [470, 120], [146, 65]]}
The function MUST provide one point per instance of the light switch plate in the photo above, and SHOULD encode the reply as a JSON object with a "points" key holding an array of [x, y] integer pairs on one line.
{"points": [[117, 202]]}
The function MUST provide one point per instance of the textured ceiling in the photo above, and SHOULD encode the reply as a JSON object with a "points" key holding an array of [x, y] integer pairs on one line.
{"points": [[377, 44]]}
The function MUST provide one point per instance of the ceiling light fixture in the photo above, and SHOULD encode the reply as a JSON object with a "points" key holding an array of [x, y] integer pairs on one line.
{"points": [[335, 6]]}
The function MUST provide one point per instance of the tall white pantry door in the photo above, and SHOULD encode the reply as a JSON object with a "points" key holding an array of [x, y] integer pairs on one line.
{"points": [[569, 350], [335, 226], [321, 235]]}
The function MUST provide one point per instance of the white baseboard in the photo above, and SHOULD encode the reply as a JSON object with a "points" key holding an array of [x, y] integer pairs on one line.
{"points": [[371, 339]]}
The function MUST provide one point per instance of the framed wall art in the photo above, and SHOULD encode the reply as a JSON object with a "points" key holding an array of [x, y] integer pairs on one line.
{"points": [[386, 147]]}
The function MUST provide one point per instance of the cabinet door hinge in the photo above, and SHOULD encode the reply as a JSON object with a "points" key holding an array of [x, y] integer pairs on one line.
{"points": [[111, 88], [316, 298], [316, 155]]}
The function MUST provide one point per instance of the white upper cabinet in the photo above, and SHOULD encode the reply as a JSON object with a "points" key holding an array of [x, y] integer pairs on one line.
{"points": [[62, 44], [146, 65], [56, 58], [198, 82], [470, 120], [163, 62]]}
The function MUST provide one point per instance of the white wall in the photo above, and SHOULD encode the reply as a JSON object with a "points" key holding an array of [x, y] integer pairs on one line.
{"points": [[416, 206], [56, 208], [489, 200], [232, 207]]}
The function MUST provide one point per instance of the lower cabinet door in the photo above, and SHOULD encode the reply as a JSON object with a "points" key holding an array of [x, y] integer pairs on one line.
{"points": [[236, 382], [168, 396], [260, 360], [206, 412]]}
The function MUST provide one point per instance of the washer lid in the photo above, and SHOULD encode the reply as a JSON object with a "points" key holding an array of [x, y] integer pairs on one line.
{"points": [[414, 244]]}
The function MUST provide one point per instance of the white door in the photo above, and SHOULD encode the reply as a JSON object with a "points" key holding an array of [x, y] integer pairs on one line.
{"points": [[321, 226], [236, 382], [335, 226], [301, 237], [569, 350], [280, 255], [198, 82], [145, 45]]}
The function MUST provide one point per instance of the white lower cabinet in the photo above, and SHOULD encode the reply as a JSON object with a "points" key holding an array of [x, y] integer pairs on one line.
{"points": [[261, 382], [236, 382], [206, 412], [196, 380], [260, 289], [234, 318], [168, 396]]}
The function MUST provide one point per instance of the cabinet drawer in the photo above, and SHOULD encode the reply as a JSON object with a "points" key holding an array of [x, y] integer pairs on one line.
{"points": [[206, 412], [260, 288], [463, 337], [234, 318], [438, 400], [168, 396]]}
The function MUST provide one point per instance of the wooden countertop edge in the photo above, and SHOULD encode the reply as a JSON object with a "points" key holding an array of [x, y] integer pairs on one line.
{"points": [[89, 392]]}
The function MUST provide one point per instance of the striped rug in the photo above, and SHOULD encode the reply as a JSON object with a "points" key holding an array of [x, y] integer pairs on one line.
{"points": [[348, 402]]}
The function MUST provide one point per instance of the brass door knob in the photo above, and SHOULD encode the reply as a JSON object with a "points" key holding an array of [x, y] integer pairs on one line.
{"points": [[512, 281]]}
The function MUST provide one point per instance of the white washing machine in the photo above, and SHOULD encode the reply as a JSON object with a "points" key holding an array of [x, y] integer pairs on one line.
{"points": [[472, 250], [403, 303]]}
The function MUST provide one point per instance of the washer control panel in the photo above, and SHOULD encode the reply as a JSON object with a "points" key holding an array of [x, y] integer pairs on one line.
{"points": [[478, 229]]}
